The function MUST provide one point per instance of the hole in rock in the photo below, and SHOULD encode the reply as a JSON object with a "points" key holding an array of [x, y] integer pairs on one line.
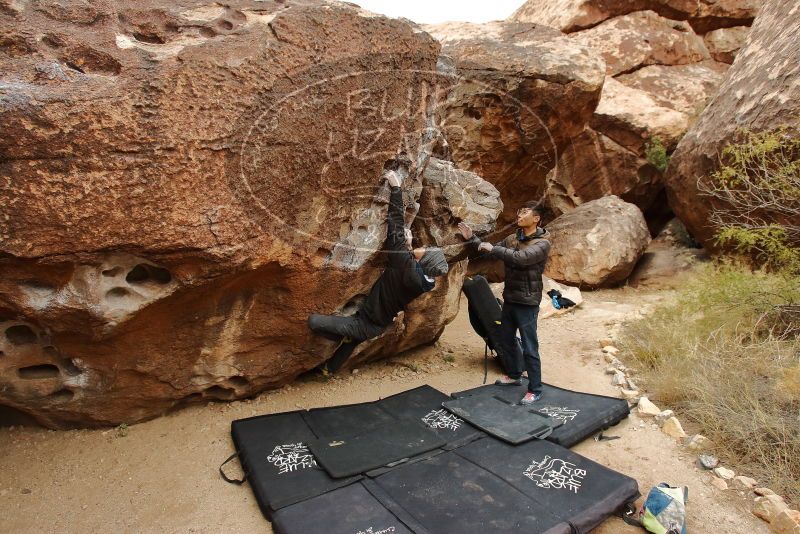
{"points": [[34, 372], [53, 40], [85, 59], [112, 272], [73, 66], [69, 367], [148, 38], [144, 273], [207, 32], [238, 381], [474, 113], [117, 292], [37, 284], [20, 334], [2, 353], [62, 395], [225, 25], [220, 392]]}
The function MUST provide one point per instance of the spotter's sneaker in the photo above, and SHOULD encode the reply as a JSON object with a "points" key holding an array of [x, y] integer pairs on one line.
{"points": [[530, 398], [507, 381]]}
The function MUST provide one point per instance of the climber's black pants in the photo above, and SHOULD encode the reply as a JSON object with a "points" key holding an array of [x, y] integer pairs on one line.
{"points": [[336, 328]]}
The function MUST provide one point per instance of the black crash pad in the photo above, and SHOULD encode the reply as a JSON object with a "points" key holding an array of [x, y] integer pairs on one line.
{"points": [[574, 489], [346, 420], [349, 510], [582, 414], [397, 440], [485, 486], [424, 404], [510, 422], [448, 494], [281, 470]]}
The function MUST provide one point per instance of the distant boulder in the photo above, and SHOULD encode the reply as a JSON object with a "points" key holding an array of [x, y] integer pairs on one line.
{"points": [[597, 244]]}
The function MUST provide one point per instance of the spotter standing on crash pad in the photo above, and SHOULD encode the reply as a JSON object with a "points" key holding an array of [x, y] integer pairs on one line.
{"points": [[408, 274], [524, 255]]}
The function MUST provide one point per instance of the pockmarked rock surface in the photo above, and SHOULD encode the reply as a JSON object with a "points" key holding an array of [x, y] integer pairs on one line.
{"points": [[522, 92], [642, 38], [183, 183], [761, 92], [597, 244], [574, 15]]}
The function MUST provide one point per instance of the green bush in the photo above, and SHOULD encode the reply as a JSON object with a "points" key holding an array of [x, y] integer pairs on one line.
{"points": [[656, 154], [758, 186]]}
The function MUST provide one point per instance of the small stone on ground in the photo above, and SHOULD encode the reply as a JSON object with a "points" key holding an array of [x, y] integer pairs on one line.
{"points": [[662, 417], [744, 482], [768, 507], [672, 427], [647, 408], [724, 472], [708, 461]]}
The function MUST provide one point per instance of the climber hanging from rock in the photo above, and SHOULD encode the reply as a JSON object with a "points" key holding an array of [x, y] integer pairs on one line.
{"points": [[408, 274]]}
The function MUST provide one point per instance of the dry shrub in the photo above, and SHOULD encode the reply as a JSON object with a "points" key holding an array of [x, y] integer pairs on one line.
{"points": [[720, 358]]}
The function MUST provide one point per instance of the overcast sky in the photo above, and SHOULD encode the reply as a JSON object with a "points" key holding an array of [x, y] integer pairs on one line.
{"points": [[433, 11]]}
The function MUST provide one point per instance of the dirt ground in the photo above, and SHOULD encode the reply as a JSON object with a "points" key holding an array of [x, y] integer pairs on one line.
{"points": [[162, 476]]}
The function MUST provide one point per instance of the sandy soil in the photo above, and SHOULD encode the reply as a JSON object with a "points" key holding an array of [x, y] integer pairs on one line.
{"points": [[162, 476]]}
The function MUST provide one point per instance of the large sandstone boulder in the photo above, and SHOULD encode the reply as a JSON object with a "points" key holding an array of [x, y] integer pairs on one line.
{"points": [[610, 157], [761, 92], [520, 92], [575, 15], [724, 43], [642, 38], [631, 117], [595, 166], [684, 88], [183, 183], [597, 244]]}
